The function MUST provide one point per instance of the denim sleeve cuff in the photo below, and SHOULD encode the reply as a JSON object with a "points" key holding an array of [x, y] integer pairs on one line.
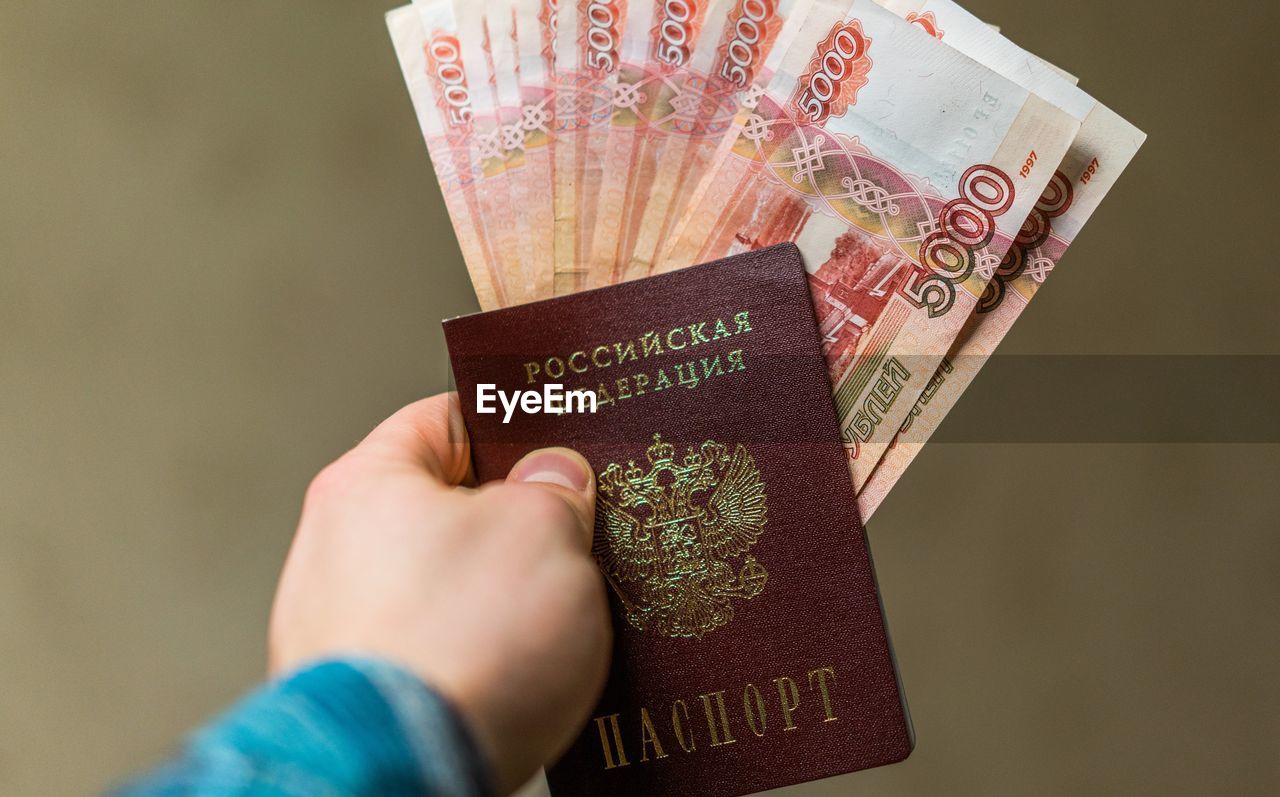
{"points": [[341, 727]]}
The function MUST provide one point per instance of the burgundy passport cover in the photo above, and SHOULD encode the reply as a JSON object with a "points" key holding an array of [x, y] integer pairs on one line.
{"points": [[750, 649]]}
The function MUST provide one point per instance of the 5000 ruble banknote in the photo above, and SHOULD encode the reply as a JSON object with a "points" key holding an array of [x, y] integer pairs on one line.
{"points": [[587, 56], [524, 136], [903, 170], [666, 41], [1105, 145], [1052, 223], [437, 87], [499, 162], [722, 66]]}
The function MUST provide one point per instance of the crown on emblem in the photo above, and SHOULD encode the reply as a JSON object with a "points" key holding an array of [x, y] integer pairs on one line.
{"points": [[660, 454], [660, 451]]}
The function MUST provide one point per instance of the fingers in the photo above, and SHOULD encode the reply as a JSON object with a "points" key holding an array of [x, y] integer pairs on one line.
{"points": [[428, 434], [566, 474]]}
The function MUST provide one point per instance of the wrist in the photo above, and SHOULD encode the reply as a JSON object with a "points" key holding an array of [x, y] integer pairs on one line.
{"points": [[360, 725]]}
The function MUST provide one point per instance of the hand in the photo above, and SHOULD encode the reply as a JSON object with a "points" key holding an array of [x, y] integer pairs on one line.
{"points": [[490, 595]]}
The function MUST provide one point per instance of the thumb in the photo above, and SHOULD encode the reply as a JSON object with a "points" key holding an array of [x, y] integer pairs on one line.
{"points": [[566, 473]]}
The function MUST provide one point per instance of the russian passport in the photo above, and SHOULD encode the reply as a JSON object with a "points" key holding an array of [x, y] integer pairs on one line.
{"points": [[750, 648]]}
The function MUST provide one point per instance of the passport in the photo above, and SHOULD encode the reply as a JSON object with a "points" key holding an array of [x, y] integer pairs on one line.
{"points": [[750, 649]]}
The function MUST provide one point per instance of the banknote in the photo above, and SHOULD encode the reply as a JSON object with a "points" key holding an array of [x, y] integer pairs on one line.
{"points": [[719, 70], [1005, 57], [948, 22], [672, 252], [932, 172], [535, 27], [903, 171], [659, 96], [1101, 151], [428, 58], [760, 72], [497, 23], [635, 99], [525, 128], [587, 54], [499, 162]]}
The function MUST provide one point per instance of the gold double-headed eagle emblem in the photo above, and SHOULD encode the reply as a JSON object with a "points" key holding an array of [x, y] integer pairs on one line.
{"points": [[669, 538]]}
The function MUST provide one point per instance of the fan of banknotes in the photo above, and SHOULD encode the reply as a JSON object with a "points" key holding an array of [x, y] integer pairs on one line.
{"points": [[931, 172]]}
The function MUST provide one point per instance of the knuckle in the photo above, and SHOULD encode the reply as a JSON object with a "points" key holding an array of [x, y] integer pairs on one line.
{"points": [[334, 480], [324, 485]]}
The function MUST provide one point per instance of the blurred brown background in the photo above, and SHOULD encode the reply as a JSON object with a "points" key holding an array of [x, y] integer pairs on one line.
{"points": [[223, 257]]}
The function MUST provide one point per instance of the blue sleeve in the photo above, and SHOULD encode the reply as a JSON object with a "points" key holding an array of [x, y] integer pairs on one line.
{"points": [[350, 728]]}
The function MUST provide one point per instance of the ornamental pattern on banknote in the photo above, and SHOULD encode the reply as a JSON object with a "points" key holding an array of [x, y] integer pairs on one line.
{"points": [[836, 175], [507, 80], [688, 103], [582, 102], [926, 22], [536, 120], [584, 99], [662, 95], [639, 96], [707, 105], [533, 32], [1035, 248], [459, 174]]}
